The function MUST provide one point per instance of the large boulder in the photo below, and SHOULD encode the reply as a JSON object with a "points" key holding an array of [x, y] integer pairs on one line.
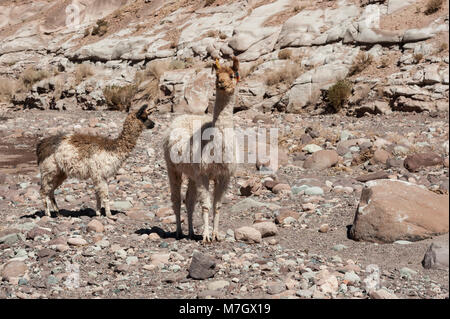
{"points": [[394, 210], [187, 90], [436, 256]]}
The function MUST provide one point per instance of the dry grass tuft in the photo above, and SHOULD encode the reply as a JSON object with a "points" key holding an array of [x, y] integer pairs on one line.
{"points": [[339, 93], [7, 89], [31, 76], [418, 57], [82, 72], [361, 62], [101, 28], [286, 75], [118, 98], [285, 54], [433, 6]]}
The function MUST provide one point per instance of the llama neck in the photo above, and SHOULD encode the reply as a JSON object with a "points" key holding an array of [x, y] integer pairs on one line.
{"points": [[223, 109], [125, 143]]}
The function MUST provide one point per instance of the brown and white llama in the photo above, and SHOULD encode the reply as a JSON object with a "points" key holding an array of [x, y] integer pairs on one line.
{"points": [[203, 170], [84, 156]]}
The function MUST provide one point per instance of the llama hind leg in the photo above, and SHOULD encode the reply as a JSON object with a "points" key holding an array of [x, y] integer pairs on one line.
{"points": [[46, 191], [57, 181], [175, 190], [98, 199], [220, 187], [191, 198], [205, 200]]}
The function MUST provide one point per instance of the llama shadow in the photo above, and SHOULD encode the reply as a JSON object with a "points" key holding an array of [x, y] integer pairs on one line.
{"points": [[89, 212], [163, 234]]}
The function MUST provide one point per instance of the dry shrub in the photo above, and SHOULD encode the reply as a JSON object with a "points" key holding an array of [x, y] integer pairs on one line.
{"points": [[443, 47], [31, 76], [433, 6], [7, 89], [209, 3], [361, 62], [286, 75], [83, 71], [151, 75], [59, 87], [285, 54], [339, 93], [384, 62], [173, 36], [418, 57], [118, 98], [101, 28]]}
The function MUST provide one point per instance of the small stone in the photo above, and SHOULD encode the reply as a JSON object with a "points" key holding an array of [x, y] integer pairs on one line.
{"points": [[381, 156], [77, 241], [382, 294], [266, 229], [285, 214], [247, 234], [281, 188], [311, 148], [131, 260], [95, 226], [324, 228], [339, 247], [218, 285], [314, 191], [351, 277], [407, 273], [202, 266], [416, 161], [276, 288], [13, 270]]}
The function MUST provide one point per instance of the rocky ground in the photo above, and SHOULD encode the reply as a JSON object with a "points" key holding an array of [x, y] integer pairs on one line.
{"points": [[297, 243], [359, 195]]}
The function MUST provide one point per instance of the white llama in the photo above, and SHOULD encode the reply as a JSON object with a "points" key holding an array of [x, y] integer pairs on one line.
{"points": [[201, 172]]}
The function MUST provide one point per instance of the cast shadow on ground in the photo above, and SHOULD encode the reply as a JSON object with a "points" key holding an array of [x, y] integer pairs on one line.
{"points": [[163, 234], [89, 212]]}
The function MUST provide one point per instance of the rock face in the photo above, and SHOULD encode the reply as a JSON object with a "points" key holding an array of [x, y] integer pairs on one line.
{"points": [[202, 266], [394, 210], [436, 256]]}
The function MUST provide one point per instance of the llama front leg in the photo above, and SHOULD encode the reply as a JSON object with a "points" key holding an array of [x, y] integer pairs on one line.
{"points": [[205, 199], [220, 187], [175, 190], [102, 189], [191, 198]]}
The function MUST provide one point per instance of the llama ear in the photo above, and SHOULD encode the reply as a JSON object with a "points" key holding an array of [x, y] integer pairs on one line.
{"points": [[235, 66], [217, 65], [141, 111]]}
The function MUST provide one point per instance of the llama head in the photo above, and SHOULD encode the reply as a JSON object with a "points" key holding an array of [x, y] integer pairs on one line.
{"points": [[227, 78], [143, 116]]}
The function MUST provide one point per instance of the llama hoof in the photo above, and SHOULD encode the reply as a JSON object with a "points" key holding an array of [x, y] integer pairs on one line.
{"points": [[206, 238], [111, 217], [215, 237]]}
